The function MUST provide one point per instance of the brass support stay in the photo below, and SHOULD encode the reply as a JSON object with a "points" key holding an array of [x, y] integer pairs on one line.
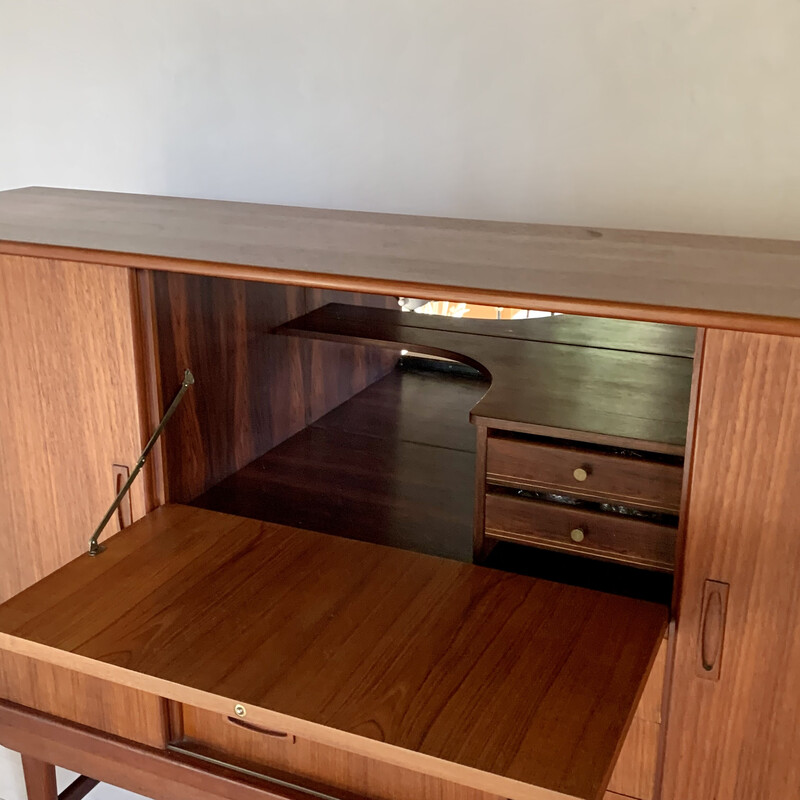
{"points": [[188, 380]]}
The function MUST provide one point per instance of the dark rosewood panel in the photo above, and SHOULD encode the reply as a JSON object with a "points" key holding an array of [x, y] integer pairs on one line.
{"points": [[393, 465], [253, 390], [588, 394]]}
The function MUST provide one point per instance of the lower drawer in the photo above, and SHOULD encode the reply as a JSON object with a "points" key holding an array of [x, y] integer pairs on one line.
{"points": [[609, 536], [73, 696], [326, 770]]}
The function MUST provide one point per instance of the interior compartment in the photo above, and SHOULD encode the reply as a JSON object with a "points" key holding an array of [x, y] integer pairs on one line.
{"points": [[340, 414], [309, 410]]}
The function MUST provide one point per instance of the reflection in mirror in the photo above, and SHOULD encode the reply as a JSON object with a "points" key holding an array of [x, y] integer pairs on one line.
{"points": [[450, 308]]}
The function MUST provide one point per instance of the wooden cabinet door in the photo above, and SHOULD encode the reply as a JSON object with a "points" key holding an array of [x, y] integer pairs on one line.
{"points": [[733, 730], [68, 409]]}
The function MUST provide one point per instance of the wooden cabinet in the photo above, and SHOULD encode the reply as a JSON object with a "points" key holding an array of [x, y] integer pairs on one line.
{"points": [[394, 673], [69, 409]]}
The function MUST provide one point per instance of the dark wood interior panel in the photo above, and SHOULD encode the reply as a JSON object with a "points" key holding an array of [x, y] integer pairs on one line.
{"points": [[590, 394], [581, 331], [253, 390], [393, 465], [333, 372]]}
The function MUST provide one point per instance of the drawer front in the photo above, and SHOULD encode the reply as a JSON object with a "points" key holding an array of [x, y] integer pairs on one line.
{"points": [[607, 536], [319, 767], [99, 704], [625, 480]]}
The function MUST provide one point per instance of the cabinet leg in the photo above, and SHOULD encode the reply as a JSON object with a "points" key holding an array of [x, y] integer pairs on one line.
{"points": [[40, 779]]}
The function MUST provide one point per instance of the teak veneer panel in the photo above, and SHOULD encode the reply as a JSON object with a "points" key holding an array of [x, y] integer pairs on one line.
{"points": [[149, 771], [737, 738], [306, 759], [635, 771], [504, 683], [588, 394], [660, 277], [69, 410], [71, 695]]}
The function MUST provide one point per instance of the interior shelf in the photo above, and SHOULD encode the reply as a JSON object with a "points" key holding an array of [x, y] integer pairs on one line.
{"points": [[579, 379]]}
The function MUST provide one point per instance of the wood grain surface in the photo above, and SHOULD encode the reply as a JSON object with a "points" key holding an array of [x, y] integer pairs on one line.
{"points": [[393, 465], [419, 661], [662, 277], [588, 394], [737, 738], [304, 759], [145, 770], [613, 537], [40, 779], [73, 696], [635, 772], [629, 480], [636, 768], [69, 410], [252, 390], [607, 334]]}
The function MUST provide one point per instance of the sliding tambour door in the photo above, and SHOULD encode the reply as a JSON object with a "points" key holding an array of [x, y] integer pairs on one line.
{"points": [[733, 731]]}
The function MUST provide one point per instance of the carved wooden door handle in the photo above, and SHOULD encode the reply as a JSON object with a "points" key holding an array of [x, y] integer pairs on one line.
{"points": [[712, 629]]}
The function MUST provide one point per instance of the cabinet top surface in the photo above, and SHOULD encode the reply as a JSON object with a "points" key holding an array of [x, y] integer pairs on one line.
{"points": [[715, 281], [524, 679]]}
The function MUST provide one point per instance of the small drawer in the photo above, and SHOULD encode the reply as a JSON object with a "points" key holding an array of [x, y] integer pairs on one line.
{"points": [[626, 480], [611, 537], [311, 767]]}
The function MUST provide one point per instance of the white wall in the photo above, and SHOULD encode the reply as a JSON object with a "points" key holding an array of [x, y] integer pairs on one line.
{"points": [[672, 114], [665, 114]]}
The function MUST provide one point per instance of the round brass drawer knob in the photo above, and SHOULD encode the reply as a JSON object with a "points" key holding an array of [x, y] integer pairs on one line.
{"points": [[580, 474], [576, 534]]}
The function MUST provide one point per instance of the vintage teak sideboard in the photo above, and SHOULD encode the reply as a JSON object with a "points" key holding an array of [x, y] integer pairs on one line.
{"points": [[381, 554]]}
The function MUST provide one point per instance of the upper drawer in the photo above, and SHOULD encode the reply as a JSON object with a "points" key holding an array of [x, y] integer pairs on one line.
{"points": [[627, 480]]}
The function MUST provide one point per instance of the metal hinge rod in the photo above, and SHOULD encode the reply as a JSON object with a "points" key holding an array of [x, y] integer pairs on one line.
{"points": [[188, 380]]}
